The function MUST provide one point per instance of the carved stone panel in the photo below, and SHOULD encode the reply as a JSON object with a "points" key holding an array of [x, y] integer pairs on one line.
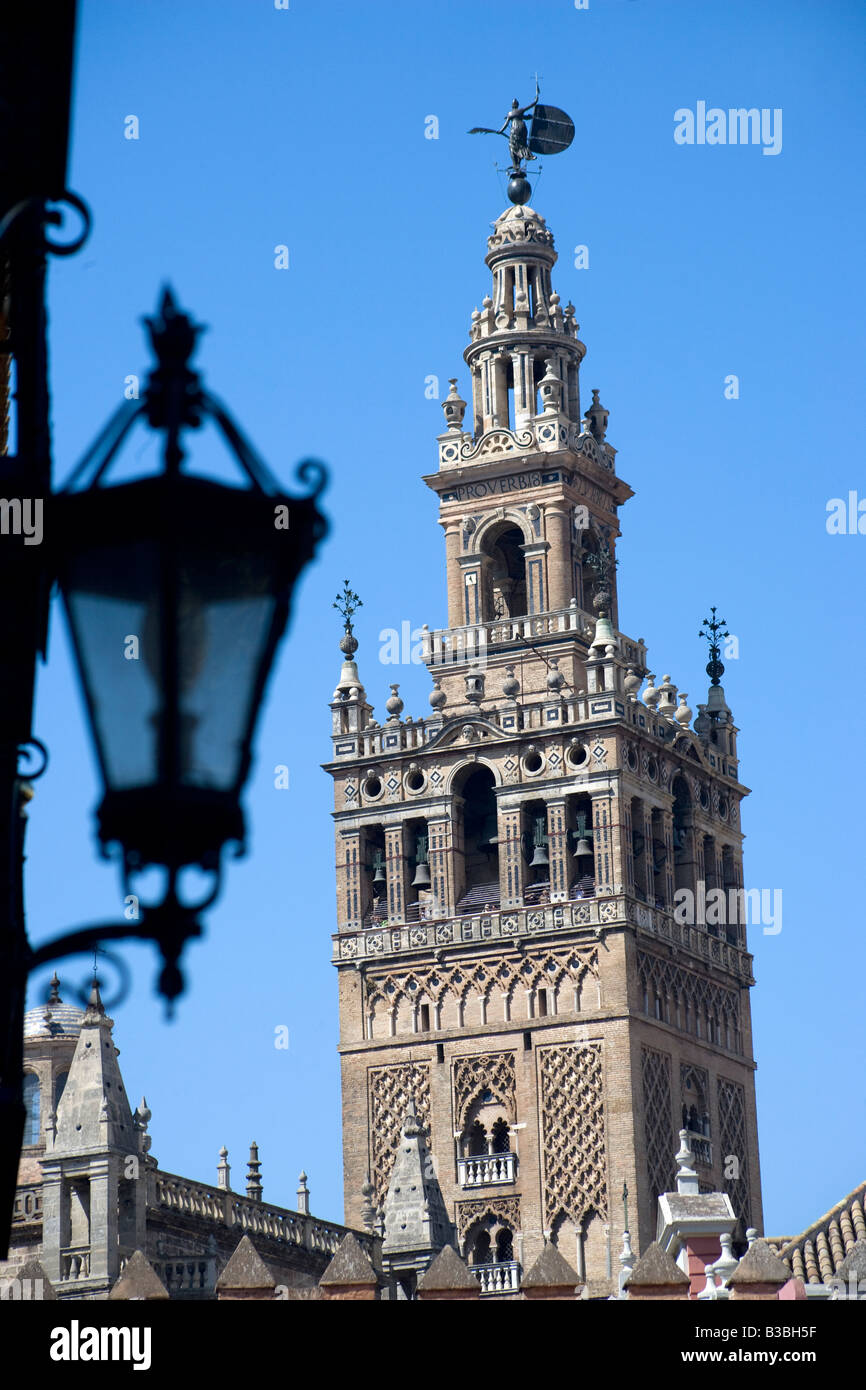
{"points": [[390, 1090], [573, 1142]]}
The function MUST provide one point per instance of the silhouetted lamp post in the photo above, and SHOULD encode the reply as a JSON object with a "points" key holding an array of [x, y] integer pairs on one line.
{"points": [[177, 589]]}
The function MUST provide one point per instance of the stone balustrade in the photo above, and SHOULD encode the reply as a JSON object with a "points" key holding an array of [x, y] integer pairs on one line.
{"points": [[258, 1218], [486, 1169], [510, 924], [75, 1263], [498, 1278]]}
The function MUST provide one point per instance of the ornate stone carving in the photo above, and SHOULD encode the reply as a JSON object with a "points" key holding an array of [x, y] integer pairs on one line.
{"points": [[390, 1091], [493, 1071], [504, 1209], [461, 980], [732, 1137], [573, 1145], [658, 1123], [689, 996]]}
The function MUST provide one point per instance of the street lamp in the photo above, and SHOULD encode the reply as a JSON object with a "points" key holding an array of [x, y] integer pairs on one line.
{"points": [[177, 590]]}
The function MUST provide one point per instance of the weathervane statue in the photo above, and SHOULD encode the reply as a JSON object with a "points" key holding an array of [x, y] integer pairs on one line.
{"points": [[552, 132]]}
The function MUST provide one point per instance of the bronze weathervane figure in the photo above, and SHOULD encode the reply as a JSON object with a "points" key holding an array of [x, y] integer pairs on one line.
{"points": [[552, 131]]}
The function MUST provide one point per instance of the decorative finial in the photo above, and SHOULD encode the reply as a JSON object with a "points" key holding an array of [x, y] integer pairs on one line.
{"points": [[254, 1180], [224, 1170], [711, 631], [687, 1178], [303, 1194], [348, 603], [625, 1205], [54, 996]]}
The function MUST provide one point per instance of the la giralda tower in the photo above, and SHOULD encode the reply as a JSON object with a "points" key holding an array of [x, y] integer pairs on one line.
{"points": [[513, 970]]}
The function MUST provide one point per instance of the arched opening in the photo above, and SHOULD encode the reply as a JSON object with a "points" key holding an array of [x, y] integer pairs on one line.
{"points": [[501, 1137], [477, 1140], [420, 902], [32, 1109], [586, 570], [659, 859], [373, 886], [477, 849], [639, 849], [481, 1249], [684, 846], [505, 590], [582, 852], [536, 849]]}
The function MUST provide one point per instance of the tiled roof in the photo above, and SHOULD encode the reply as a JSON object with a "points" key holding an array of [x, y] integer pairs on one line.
{"points": [[816, 1254], [66, 1020]]}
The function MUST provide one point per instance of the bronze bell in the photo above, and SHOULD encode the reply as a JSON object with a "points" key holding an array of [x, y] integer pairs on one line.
{"points": [[539, 858], [378, 867], [422, 868], [583, 849]]}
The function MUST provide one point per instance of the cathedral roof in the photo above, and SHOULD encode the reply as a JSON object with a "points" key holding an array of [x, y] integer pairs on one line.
{"points": [[817, 1254], [53, 1019]]}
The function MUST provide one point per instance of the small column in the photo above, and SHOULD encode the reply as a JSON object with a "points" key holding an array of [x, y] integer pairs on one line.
{"points": [[453, 547], [602, 839], [349, 885], [559, 564], [395, 867], [537, 561], [524, 404], [558, 851], [441, 859], [512, 866]]}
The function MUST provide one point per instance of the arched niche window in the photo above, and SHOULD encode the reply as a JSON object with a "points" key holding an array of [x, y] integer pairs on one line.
{"points": [[504, 1245], [476, 868], [420, 904], [481, 1253], [658, 859], [639, 849], [586, 571], [477, 1140], [501, 1137], [505, 591], [684, 847], [581, 851], [32, 1108], [374, 880]]}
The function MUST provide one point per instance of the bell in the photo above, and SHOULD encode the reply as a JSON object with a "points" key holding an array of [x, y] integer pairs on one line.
{"points": [[379, 867], [422, 868], [583, 849], [539, 858]]}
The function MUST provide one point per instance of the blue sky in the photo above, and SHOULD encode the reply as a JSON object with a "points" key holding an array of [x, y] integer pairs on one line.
{"points": [[305, 127]]}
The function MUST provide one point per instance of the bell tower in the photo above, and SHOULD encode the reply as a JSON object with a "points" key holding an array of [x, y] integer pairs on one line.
{"points": [[541, 946]]}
